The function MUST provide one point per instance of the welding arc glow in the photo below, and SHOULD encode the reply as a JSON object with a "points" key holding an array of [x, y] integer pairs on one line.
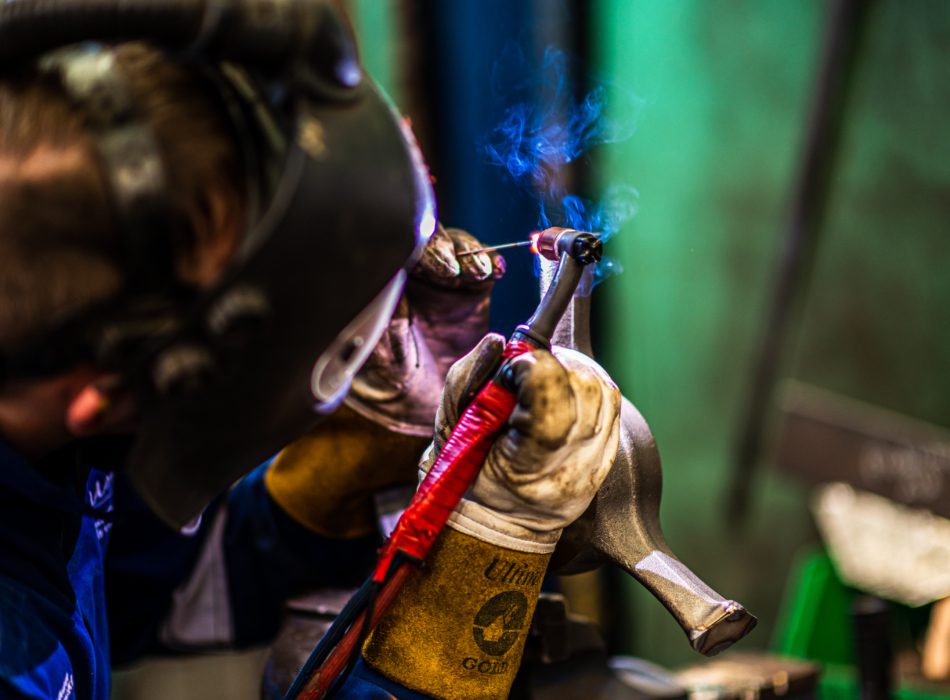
{"points": [[545, 127]]}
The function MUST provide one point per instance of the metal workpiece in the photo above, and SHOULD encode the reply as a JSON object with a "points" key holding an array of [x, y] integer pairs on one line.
{"points": [[622, 524]]}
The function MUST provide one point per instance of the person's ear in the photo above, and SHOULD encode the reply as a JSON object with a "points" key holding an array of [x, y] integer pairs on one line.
{"points": [[216, 226], [100, 406], [87, 410]]}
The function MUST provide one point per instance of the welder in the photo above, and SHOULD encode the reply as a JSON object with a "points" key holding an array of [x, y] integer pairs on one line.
{"points": [[200, 248]]}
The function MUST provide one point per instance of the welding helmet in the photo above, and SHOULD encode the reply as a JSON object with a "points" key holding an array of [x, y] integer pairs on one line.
{"points": [[339, 206]]}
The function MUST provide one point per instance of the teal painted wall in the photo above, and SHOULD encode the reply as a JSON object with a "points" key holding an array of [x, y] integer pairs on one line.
{"points": [[377, 26], [726, 88]]}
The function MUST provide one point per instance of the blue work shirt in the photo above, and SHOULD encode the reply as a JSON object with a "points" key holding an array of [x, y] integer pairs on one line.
{"points": [[55, 525], [53, 629]]}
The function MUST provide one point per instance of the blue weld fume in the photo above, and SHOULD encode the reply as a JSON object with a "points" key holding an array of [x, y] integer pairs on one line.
{"points": [[617, 205], [545, 127]]}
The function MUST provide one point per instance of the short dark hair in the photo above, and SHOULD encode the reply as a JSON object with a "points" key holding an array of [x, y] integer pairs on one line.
{"points": [[59, 247]]}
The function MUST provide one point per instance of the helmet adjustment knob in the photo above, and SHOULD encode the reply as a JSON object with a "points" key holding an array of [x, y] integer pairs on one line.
{"points": [[182, 369]]}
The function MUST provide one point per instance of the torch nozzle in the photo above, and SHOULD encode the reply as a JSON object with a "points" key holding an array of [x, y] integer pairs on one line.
{"points": [[585, 247]]}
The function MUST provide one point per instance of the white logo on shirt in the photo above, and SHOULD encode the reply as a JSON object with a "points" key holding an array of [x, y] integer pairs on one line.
{"points": [[100, 498], [66, 691]]}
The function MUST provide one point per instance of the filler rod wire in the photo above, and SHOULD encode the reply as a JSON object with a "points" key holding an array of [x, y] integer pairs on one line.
{"points": [[489, 249], [533, 241]]}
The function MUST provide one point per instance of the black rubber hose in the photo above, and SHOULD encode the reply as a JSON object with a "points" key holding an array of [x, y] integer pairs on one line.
{"points": [[264, 32], [333, 636]]}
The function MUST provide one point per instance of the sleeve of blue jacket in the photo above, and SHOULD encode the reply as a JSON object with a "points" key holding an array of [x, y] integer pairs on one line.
{"points": [[223, 585], [44, 651], [365, 684]]}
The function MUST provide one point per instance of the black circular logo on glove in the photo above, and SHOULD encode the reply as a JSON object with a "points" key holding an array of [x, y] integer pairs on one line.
{"points": [[498, 623]]}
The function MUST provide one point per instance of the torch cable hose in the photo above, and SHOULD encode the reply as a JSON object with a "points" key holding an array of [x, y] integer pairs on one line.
{"points": [[347, 617], [559, 294], [454, 471]]}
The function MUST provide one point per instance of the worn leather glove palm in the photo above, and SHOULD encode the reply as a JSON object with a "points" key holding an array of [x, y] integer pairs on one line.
{"points": [[458, 628], [543, 472], [442, 315], [326, 480]]}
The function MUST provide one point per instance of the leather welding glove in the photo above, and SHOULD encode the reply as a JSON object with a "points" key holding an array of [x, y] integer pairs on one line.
{"points": [[442, 315], [458, 628], [327, 479], [542, 472]]}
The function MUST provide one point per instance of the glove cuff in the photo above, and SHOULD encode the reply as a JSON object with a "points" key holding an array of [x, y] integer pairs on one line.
{"points": [[458, 628], [326, 480], [386, 416], [485, 524]]}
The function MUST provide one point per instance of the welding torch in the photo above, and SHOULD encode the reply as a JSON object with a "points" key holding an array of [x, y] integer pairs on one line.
{"points": [[453, 473]]}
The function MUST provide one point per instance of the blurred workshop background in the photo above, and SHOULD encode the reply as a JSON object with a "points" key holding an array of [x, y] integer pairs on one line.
{"points": [[722, 131]]}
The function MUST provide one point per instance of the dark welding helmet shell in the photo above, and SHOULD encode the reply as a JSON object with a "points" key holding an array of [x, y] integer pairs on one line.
{"points": [[340, 206], [276, 344]]}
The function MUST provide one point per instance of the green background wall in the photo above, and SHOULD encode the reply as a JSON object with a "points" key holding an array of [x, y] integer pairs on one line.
{"points": [[727, 85], [377, 24]]}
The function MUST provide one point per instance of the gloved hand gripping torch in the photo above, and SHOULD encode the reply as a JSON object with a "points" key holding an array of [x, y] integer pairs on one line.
{"points": [[453, 473]]}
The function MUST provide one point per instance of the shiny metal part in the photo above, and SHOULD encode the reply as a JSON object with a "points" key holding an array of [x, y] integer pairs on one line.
{"points": [[622, 524]]}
